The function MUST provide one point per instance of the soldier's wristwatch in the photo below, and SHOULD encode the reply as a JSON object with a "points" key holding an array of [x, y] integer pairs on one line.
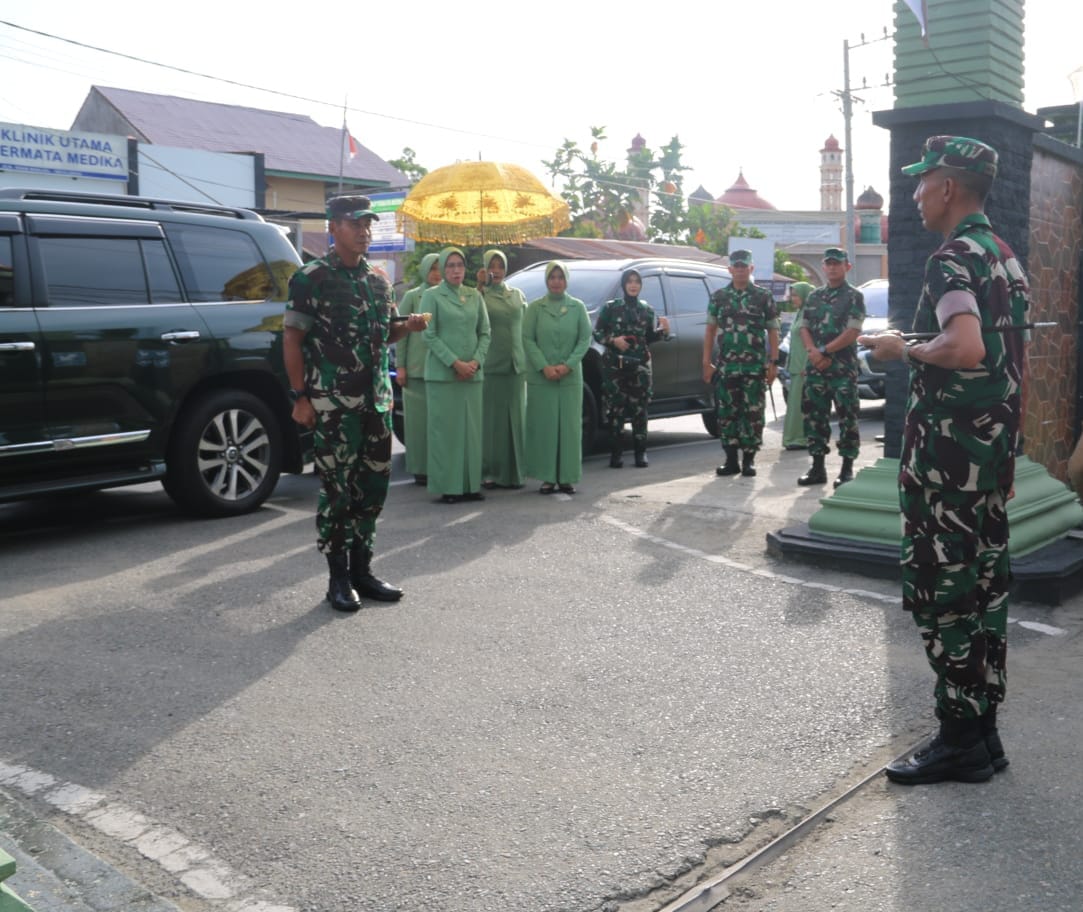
{"points": [[294, 395]]}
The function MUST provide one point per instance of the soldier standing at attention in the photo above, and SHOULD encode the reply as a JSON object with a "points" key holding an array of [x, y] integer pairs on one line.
{"points": [[626, 326], [829, 326], [746, 317], [957, 465], [337, 331]]}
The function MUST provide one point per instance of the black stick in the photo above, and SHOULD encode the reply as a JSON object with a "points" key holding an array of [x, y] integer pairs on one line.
{"points": [[911, 337]]}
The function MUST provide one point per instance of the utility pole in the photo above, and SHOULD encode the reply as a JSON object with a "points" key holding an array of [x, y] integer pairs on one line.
{"points": [[848, 116]]}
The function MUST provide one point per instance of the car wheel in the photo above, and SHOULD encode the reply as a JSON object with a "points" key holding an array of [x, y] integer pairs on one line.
{"points": [[398, 426], [225, 455], [710, 422], [590, 420]]}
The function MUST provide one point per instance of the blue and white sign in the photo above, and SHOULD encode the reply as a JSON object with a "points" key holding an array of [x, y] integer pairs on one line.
{"points": [[99, 155], [386, 238]]}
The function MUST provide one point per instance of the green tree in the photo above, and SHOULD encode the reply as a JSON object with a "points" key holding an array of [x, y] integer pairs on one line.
{"points": [[409, 166], [600, 197], [603, 197], [787, 268], [711, 225]]}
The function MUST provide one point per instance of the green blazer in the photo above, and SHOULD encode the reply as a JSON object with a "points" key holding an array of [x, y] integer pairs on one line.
{"points": [[458, 330], [556, 331], [411, 348], [505, 306]]}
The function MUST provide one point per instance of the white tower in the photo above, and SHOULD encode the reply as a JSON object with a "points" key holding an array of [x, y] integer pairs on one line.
{"points": [[831, 176]]}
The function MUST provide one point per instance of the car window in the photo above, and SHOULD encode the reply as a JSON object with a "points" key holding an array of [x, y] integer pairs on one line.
{"points": [[84, 271], [592, 286], [7, 273], [716, 282], [164, 287], [652, 293], [689, 295], [218, 264], [875, 300]]}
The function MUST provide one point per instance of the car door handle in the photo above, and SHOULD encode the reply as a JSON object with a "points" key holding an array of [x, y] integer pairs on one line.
{"points": [[181, 336], [16, 346]]}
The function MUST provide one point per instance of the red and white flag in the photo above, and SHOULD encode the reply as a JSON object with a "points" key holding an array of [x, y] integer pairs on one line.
{"points": [[353, 144]]}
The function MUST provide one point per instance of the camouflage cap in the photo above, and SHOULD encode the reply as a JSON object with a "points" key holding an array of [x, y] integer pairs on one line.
{"points": [[836, 253], [740, 258], [955, 152], [350, 207]]}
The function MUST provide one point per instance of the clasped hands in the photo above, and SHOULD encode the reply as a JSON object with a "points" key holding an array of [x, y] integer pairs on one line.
{"points": [[464, 370], [555, 371]]}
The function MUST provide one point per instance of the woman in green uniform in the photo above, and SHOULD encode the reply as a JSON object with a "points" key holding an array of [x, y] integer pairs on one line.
{"points": [[410, 355], [793, 428], [458, 340], [556, 336], [504, 387]]}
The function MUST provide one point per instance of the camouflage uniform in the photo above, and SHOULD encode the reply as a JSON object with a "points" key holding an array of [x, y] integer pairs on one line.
{"points": [[956, 470], [828, 313], [743, 318], [626, 376], [346, 315]]}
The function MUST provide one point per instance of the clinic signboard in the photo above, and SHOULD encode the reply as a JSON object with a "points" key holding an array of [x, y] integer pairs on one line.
{"points": [[386, 238], [64, 153]]}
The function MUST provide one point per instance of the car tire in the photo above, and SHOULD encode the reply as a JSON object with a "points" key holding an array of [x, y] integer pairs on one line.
{"points": [[590, 420], [398, 426], [710, 422], [225, 455]]}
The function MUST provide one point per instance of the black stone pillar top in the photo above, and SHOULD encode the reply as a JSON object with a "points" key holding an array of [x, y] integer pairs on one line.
{"points": [[1007, 129]]}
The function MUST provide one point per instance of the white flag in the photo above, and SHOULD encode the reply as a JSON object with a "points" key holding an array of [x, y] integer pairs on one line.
{"points": [[917, 7]]}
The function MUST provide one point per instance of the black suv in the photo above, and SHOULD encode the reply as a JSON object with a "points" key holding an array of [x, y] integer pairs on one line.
{"points": [[677, 289], [142, 339]]}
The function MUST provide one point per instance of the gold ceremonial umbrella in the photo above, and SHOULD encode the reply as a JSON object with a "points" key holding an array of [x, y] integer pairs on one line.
{"points": [[477, 203]]}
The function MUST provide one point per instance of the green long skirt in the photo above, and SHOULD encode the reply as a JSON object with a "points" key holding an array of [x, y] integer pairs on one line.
{"points": [[554, 432], [415, 418], [503, 425], [454, 436]]}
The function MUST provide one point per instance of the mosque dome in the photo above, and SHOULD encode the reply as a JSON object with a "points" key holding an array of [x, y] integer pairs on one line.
{"points": [[742, 196], [870, 199]]}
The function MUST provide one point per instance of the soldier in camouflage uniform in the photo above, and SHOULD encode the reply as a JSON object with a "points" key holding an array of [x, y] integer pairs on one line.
{"points": [[958, 461], [829, 326], [337, 331], [744, 319], [626, 326]]}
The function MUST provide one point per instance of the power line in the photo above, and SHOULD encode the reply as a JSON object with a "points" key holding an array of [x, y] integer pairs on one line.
{"points": [[256, 88]]}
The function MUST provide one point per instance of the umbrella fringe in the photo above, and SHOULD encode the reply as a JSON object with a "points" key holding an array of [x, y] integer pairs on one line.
{"points": [[478, 236]]}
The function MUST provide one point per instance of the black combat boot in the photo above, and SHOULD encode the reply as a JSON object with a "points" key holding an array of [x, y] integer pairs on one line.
{"points": [[846, 473], [641, 457], [731, 467], [616, 457], [957, 753], [364, 582], [993, 744], [747, 467], [816, 474], [340, 593]]}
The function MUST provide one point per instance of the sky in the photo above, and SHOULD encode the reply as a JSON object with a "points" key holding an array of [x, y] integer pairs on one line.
{"points": [[747, 87]]}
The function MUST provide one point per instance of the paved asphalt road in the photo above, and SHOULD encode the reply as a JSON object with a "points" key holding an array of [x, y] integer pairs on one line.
{"points": [[582, 704]]}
